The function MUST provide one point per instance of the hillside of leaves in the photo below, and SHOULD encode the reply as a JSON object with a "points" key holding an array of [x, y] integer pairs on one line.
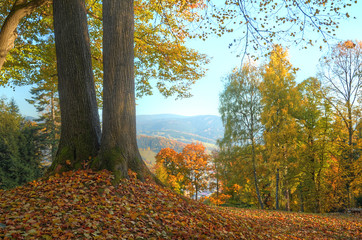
{"points": [[85, 205]]}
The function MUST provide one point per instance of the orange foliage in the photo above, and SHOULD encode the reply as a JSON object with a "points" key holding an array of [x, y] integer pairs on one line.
{"points": [[187, 170], [218, 199]]}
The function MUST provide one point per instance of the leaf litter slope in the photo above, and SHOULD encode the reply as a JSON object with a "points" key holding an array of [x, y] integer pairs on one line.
{"points": [[85, 205]]}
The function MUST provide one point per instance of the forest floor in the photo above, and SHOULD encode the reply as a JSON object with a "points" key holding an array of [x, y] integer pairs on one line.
{"points": [[85, 205]]}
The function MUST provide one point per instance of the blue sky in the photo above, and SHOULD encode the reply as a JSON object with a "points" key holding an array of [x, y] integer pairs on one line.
{"points": [[206, 91]]}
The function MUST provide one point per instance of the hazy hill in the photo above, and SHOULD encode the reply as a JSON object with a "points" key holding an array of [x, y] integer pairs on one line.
{"points": [[203, 128], [157, 143], [155, 132], [149, 146]]}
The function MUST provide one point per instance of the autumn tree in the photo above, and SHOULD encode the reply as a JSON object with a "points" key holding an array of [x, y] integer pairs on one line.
{"points": [[196, 162], [182, 65], [341, 72], [118, 103], [80, 132], [240, 112], [160, 51], [279, 99], [185, 171], [236, 175], [314, 116], [263, 23], [216, 182], [169, 168], [8, 33]]}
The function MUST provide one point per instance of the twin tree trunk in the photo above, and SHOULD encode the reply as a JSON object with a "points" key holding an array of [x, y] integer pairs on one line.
{"points": [[119, 151], [80, 129], [80, 132]]}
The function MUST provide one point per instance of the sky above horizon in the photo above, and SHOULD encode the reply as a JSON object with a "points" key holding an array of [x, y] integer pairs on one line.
{"points": [[205, 100]]}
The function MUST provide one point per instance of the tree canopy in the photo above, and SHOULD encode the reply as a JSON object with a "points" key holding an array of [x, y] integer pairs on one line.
{"points": [[161, 55]]}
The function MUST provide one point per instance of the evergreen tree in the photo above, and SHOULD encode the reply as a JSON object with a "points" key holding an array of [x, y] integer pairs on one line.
{"points": [[46, 101], [20, 147]]}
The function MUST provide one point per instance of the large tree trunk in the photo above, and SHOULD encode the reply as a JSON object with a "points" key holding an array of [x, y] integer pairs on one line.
{"points": [[119, 151], [80, 129], [20, 9]]}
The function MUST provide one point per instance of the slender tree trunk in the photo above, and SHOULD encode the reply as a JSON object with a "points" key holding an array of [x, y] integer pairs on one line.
{"points": [[197, 190], [349, 164], [287, 190], [20, 9], [119, 151], [277, 190], [80, 129], [286, 185], [318, 194], [217, 182], [53, 134], [301, 200], [287, 197], [313, 174], [254, 172]]}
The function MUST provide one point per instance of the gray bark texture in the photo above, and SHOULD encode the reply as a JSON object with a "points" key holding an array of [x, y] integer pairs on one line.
{"points": [[254, 173], [8, 34], [80, 129], [119, 151]]}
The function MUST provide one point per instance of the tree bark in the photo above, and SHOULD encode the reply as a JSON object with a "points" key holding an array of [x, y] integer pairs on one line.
{"points": [[287, 197], [255, 175], [217, 181], [277, 190], [317, 202], [197, 191], [80, 129], [119, 151], [301, 200], [20, 9], [53, 133], [349, 164]]}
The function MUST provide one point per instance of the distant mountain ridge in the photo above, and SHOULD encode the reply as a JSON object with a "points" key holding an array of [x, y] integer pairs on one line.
{"points": [[187, 129], [149, 146], [155, 132]]}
